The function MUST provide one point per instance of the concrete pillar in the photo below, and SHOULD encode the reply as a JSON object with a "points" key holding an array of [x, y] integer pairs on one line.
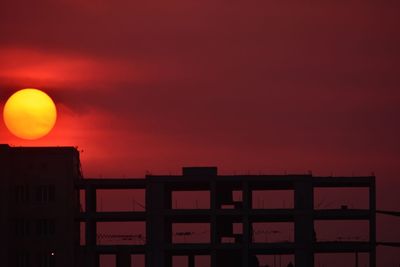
{"points": [[155, 230], [246, 238], [372, 223], [304, 225], [213, 207], [123, 259], [91, 259], [191, 260], [5, 190], [91, 229]]}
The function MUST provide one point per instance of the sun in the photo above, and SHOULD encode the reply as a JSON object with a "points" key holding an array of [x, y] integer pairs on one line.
{"points": [[30, 114]]}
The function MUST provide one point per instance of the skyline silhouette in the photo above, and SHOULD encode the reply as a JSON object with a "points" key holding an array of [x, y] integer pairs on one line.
{"points": [[230, 220], [253, 87]]}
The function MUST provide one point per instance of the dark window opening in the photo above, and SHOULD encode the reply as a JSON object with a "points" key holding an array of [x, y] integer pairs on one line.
{"points": [[341, 259], [45, 193], [180, 261], [191, 233], [45, 227], [21, 193], [347, 199], [121, 233], [22, 228], [120, 199], [22, 259], [52, 193], [46, 259], [191, 260], [272, 232], [107, 260], [341, 230], [199, 199], [82, 233], [272, 199], [276, 260], [82, 200], [138, 260]]}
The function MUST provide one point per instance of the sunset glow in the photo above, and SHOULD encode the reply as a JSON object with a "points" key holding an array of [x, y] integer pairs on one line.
{"points": [[257, 87]]}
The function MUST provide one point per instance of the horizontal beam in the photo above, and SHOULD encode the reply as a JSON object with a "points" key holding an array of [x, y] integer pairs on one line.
{"points": [[111, 183], [362, 181], [343, 246], [114, 249], [230, 178], [342, 214], [203, 183], [123, 216], [204, 215]]}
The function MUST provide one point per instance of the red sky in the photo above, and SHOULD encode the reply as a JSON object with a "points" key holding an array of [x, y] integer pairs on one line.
{"points": [[245, 85]]}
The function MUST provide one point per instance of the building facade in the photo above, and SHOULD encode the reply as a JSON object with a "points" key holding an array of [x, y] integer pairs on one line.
{"points": [[39, 205], [44, 221]]}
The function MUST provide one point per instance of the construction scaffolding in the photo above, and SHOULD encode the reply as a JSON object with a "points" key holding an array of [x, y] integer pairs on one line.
{"points": [[231, 206]]}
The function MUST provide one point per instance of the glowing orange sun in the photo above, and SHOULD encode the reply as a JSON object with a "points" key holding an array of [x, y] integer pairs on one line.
{"points": [[30, 114]]}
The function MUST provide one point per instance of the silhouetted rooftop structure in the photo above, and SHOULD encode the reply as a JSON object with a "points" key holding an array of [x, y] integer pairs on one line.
{"points": [[43, 220]]}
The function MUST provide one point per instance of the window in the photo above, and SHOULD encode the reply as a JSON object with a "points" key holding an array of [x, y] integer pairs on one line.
{"points": [[121, 233], [51, 192], [46, 259], [272, 199], [22, 259], [45, 193], [138, 260], [121, 199], [107, 260], [199, 199], [21, 193], [22, 228], [190, 233], [272, 232], [45, 227]]}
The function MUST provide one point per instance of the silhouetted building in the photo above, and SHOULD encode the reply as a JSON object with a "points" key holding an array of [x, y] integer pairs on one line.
{"points": [[39, 204], [40, 215]]}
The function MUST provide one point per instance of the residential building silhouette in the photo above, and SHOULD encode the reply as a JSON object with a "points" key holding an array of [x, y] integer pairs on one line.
{"points": [[44, 216], [39, 204]]}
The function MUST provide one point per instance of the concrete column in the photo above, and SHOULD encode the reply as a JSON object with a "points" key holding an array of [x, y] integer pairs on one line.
{"points": [[90, 222], [304, 225], [168, 260], [91, 229], [372, 223], [156, 226], [5, 190], [213, 207], [149, 234], [91, 259], [246, 238], [123, 259], [191, 260]]}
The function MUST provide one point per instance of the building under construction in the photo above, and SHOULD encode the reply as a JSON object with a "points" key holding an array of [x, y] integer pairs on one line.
{"points": [[50, 215]]}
